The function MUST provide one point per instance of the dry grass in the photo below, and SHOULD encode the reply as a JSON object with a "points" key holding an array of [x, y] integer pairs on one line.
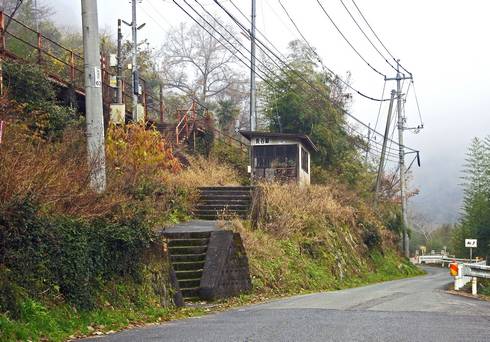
{"points": [[289, 209], [54, 174], [206, 172], [141, 172]]}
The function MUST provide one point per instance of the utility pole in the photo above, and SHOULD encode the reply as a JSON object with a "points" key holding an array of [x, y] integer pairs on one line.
{"points": [[385, 142], [134, 63], [368, 143], [401, 128], [119, 94], [93, 96], [36, 15], [253, 86]]}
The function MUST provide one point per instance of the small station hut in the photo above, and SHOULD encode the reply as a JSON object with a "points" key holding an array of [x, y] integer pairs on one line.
{"points": [[281, 157]]}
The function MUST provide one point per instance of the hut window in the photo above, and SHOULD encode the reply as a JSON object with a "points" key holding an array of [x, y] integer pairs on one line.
{"points": [[275, 156], [304, 160]]}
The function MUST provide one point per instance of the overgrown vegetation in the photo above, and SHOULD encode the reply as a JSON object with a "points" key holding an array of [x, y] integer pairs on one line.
{"points": [[66, 252], [318, 238], [72, 260]]}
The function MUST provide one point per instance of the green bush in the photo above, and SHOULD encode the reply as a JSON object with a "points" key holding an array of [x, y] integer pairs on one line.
{"points": [[66, 259], [27, 83], [234, 157]]}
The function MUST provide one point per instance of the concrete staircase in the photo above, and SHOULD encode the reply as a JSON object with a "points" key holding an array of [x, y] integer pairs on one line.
{"points": [[188, 254], [224, 202]]}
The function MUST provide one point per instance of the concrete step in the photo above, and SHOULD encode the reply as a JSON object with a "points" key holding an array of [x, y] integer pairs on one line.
{"points": [[225, 197], [188, 274], [188, 242], [222, 211], [191, 292], [188, 283], [188, 257], [188, 266], [220, 207], [213, 193], [225, 188], [179, 250], [186, 235], [213, 200], [213, 217]]}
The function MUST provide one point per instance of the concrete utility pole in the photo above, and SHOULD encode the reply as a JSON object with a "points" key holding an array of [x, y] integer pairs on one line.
{"points": [[368, 143], [36, 15], [119, 94], [93, 95], [253, 86], [401, 124], [401, 127], [385, 142], [134, 62]]}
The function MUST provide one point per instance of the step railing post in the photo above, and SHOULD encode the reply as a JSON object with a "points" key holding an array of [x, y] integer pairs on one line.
{"points": [[39, 49], [161, 104], [72, 68], [145, 99]]}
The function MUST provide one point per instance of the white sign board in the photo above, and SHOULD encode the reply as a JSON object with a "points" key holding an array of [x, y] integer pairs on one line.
{"points": [[97, 81], [470, 243]]}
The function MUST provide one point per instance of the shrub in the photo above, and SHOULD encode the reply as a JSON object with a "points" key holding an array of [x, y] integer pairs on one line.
{"points": [[234, 157], [27, 83], [61, 258]]}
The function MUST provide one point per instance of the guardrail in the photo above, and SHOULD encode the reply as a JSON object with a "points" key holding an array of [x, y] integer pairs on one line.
{"points": [[438, 259], [470, 272], [467, 270]]}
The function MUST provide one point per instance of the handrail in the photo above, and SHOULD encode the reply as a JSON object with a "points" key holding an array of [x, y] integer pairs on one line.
{"points": [[68, 70], [74, 76]]}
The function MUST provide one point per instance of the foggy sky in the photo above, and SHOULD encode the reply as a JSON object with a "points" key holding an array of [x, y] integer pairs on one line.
{"points": [[444, 43]]}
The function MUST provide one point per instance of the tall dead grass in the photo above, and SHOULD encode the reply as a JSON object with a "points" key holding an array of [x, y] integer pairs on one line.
{"points": [[206, 172], [54, 174], [287, 209], [142, 172]]}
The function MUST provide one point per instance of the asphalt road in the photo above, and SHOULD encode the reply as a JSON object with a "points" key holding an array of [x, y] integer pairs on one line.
{"points": [[414, 309]]}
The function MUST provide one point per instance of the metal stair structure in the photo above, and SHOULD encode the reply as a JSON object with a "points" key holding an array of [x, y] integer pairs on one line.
{"points": [[224, 202]]}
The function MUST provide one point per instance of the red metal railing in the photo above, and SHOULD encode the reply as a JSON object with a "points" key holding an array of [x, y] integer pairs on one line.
{"points": [[186, 121], [65, 66]]}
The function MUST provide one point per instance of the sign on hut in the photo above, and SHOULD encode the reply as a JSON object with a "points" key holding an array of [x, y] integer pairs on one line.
{"points": [[281, 157]]}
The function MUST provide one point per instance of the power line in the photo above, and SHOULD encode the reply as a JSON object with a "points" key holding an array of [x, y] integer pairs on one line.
{"points": [[241, 25], [347, 40], [301, 76], [366, 36], [321, 62], [418, 106], [377, 37], [380, 105]]}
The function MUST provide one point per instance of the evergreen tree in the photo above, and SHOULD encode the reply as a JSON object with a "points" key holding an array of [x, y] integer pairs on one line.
{"points": [[475, 222]]}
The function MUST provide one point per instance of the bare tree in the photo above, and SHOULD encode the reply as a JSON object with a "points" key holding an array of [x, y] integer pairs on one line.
{"points": [[198, 64]]}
